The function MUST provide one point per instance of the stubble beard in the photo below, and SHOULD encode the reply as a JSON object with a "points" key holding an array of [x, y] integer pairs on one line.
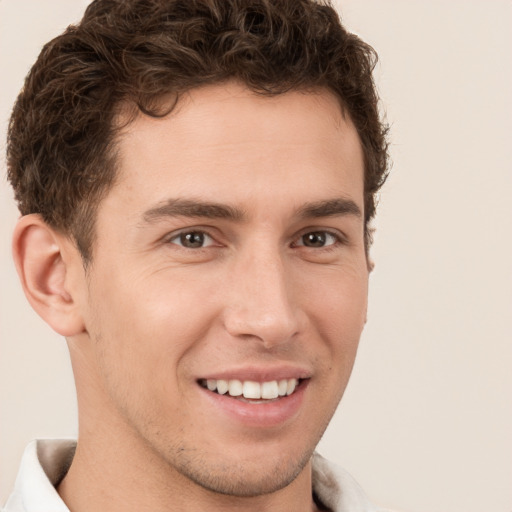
{"points": [[241, 480]]}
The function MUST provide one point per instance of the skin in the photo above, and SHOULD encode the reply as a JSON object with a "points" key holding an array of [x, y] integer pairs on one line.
{"points": [[150, 317]]}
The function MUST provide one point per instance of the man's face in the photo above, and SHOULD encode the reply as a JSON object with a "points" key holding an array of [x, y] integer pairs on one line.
{"points": [[229, 253]]}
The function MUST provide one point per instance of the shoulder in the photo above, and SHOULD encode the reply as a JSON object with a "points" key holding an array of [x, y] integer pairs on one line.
{"points": [[43, 465], [337, 490]]}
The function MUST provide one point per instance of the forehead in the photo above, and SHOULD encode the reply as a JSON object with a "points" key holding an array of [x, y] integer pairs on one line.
{"points": [[231, 143]]}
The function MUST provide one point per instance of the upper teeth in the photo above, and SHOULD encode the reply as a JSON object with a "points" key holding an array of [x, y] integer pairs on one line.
{"points": [[252, 389]]}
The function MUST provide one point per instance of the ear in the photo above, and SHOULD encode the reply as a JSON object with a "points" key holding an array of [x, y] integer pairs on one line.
{"points": [[42, 256]]}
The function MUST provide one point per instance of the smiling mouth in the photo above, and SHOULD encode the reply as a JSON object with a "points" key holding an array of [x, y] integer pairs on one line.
{"points": [[255, 392]]}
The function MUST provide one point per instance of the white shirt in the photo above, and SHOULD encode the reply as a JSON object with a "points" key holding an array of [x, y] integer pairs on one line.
{"points": [[45, 463]]}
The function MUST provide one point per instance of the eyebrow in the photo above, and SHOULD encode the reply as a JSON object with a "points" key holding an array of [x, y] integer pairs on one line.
{"points": [[330, 208], [192, 208], [195, 209]]}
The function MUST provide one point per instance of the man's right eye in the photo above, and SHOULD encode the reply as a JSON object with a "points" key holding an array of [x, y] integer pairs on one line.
{"points": [[192, 239]]}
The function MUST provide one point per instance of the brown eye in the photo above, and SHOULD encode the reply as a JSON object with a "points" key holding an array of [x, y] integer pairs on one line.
{"points": [[192, 240], [317, 239]]}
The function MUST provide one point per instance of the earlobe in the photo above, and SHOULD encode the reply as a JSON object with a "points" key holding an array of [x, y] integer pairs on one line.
{"points": [[39, 256], [370, 263]]}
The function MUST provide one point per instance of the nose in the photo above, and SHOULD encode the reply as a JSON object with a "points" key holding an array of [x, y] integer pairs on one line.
{"points": [[261, 301]]}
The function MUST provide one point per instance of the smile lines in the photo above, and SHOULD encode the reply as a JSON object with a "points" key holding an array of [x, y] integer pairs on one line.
{"points": [[251, 389]]}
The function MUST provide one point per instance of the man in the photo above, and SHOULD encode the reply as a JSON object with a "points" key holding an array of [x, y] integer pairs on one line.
{"points": [[196, 180]]}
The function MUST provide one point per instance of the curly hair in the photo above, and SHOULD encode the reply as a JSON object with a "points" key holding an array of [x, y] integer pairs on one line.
{"points": [[61, 141]]}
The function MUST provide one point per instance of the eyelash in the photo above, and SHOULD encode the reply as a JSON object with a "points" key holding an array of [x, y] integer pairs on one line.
{"points": [[339, 239], [177, 236]]}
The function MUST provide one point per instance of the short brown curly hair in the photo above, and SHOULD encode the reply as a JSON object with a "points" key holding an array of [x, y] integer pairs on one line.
{"points": [[61, 138]]}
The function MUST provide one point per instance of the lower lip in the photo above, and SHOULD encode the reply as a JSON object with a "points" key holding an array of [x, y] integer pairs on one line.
{"points": [[268, 414]]}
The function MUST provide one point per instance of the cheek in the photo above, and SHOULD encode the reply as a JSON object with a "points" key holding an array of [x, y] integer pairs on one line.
{"points": [[338, 315], [337, 303], [147, 323], [142, 332]]}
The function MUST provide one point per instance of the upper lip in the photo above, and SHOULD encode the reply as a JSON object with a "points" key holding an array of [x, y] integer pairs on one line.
{"points": [[260, 374]]}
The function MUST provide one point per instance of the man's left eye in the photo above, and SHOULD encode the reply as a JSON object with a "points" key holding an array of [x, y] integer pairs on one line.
{"points": [[316, 239], [192, 240]]}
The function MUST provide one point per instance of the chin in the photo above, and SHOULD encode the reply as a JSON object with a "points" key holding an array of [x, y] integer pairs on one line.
{"points": [[245, 479]]}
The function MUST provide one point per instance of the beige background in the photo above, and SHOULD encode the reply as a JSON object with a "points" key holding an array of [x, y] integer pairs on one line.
{"points": [[426, 423]]}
